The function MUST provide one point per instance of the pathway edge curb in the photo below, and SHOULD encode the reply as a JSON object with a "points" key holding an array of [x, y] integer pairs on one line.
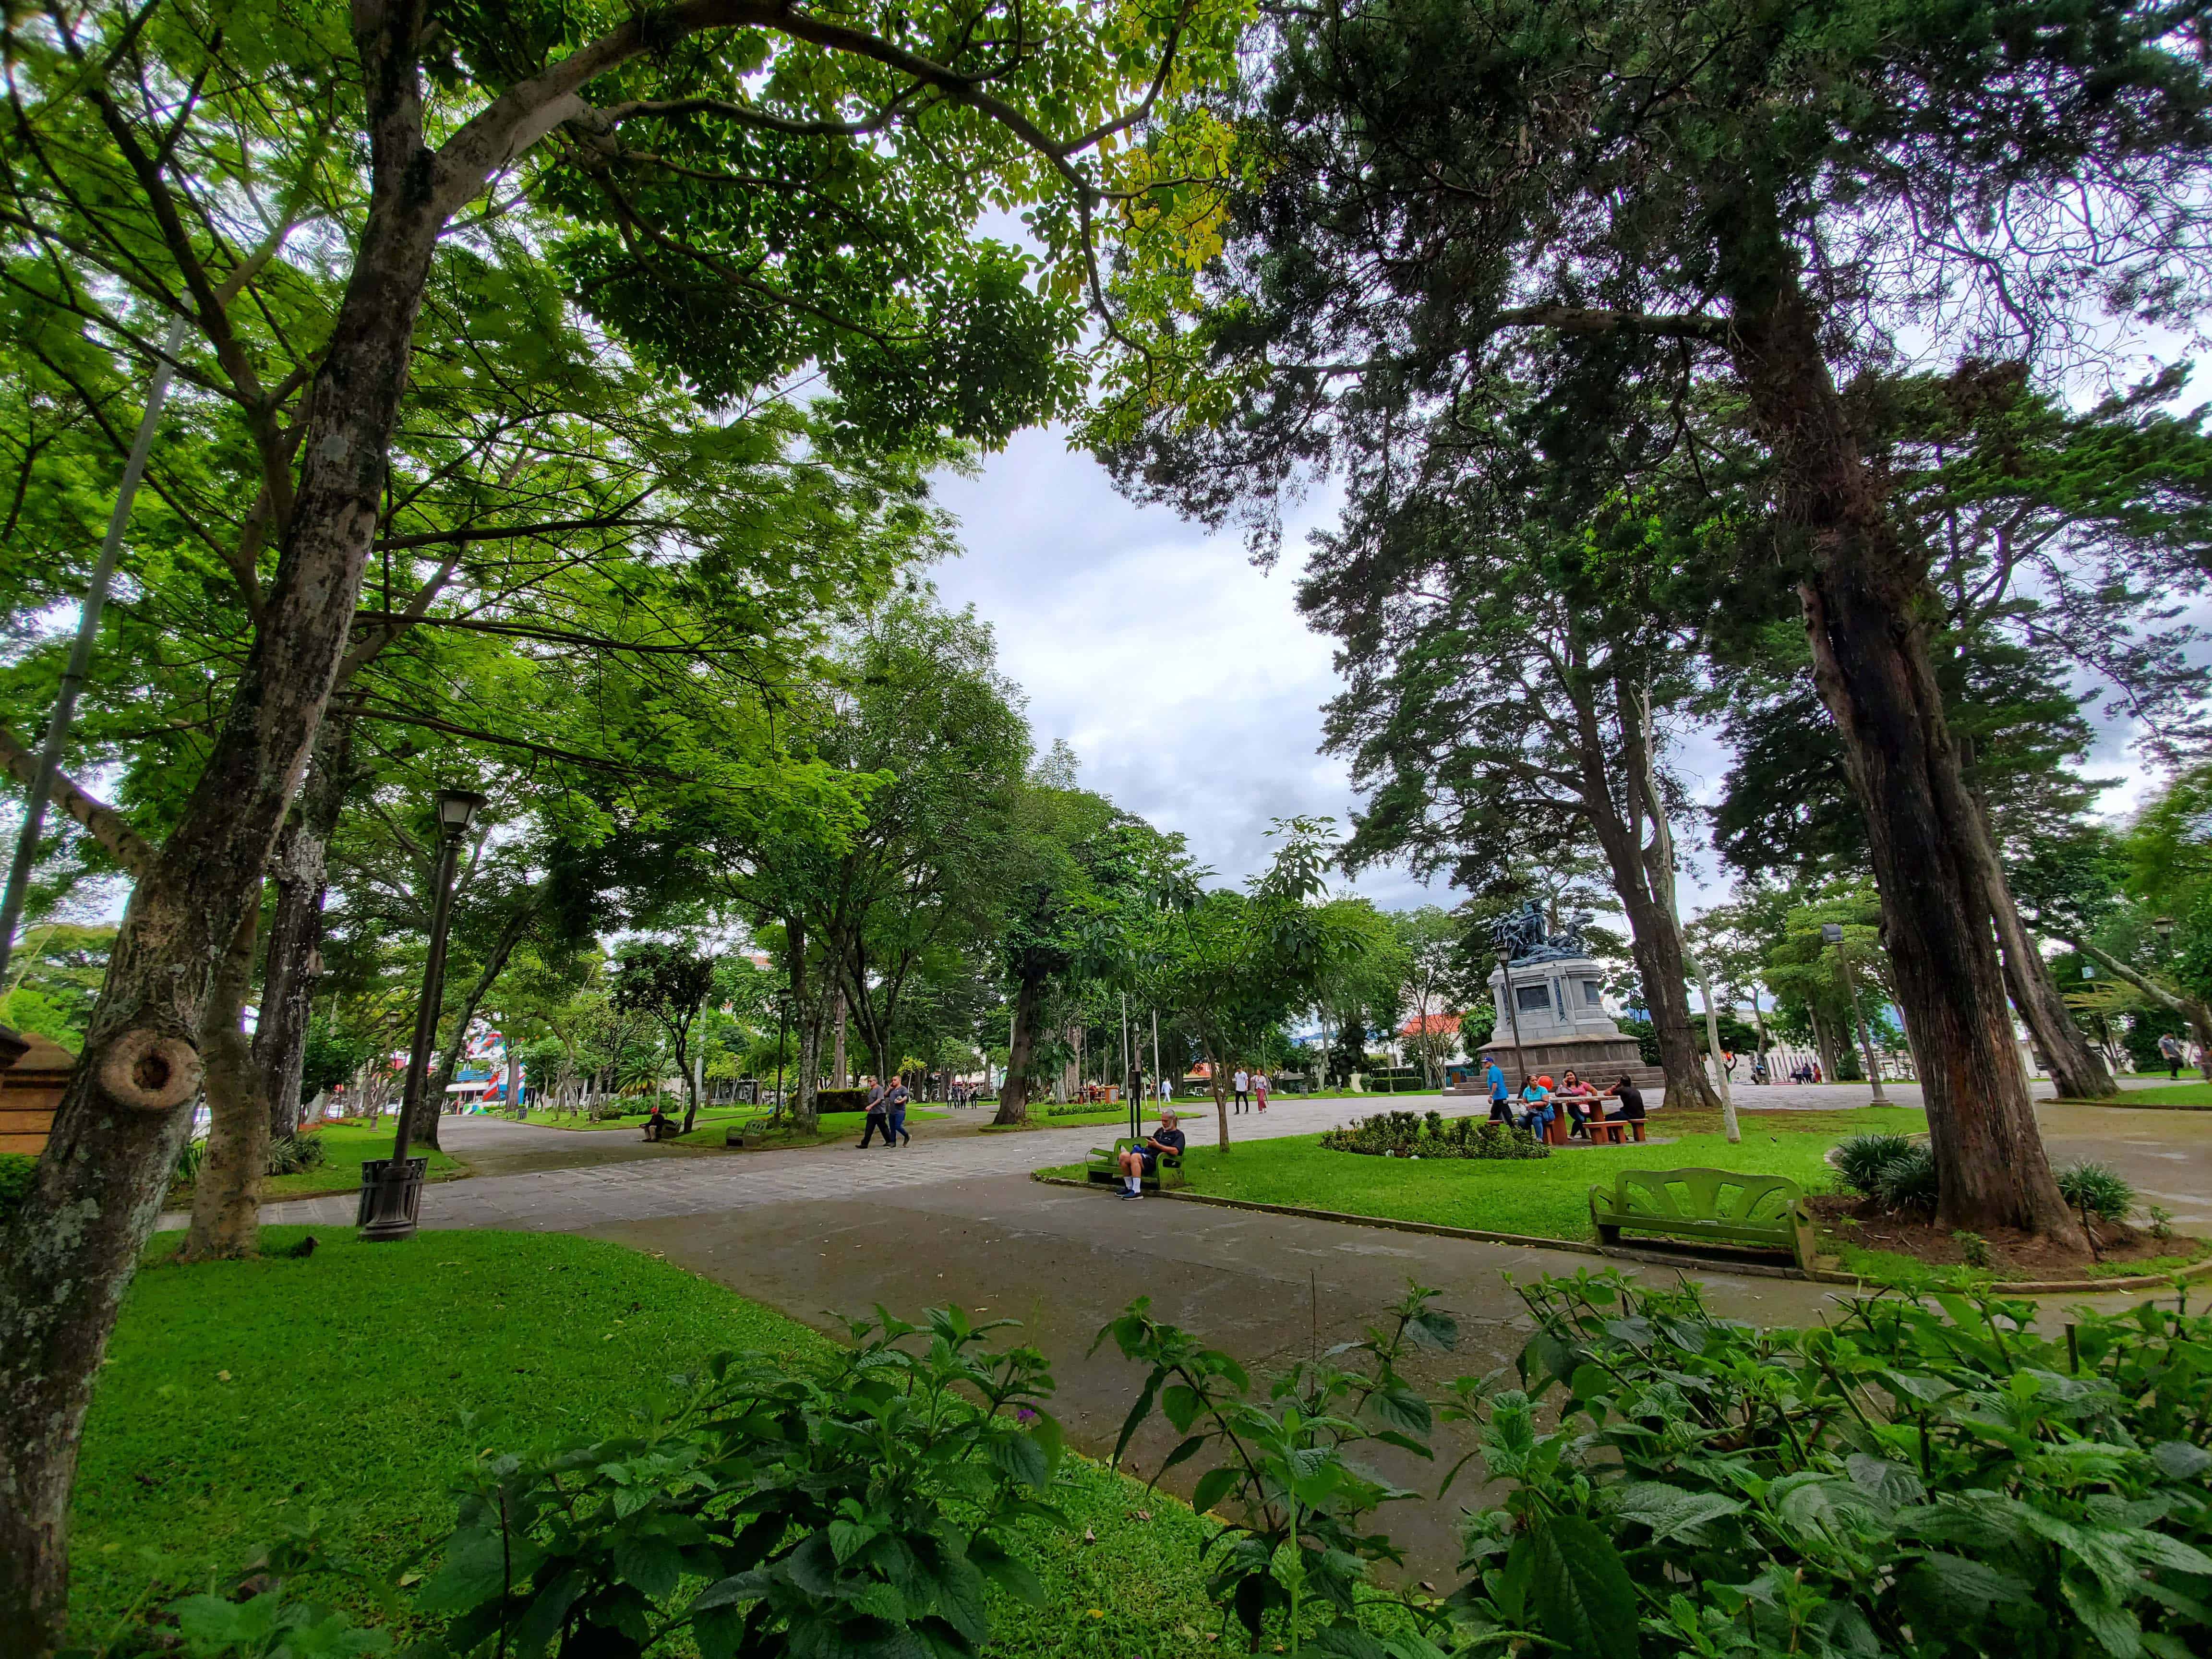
{"points": [[1758, 1270]]}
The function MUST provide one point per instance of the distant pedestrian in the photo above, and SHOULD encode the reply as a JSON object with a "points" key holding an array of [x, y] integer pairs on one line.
{"points": [[1494, 1076], [1259, 1090], [895, 1104], [2169, 1050], [1243, 1082]]}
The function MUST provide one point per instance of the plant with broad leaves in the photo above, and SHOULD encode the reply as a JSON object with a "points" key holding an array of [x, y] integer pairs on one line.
{"points": [[1299, 1548], [859, 1508], [1931, 1478]]}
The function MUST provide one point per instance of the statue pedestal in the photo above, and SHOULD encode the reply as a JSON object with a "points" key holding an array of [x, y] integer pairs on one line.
{"points": [[1559, 1007]]}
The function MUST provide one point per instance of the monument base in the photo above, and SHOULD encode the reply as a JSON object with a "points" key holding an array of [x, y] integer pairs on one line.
{"points": [[1600, 1062]]}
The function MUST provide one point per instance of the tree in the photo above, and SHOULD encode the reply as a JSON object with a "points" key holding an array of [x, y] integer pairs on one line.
{"points": [[817, 211], [1512, 661], [1432, 940], [669, 984], [1234, 965], [1675, 195]]}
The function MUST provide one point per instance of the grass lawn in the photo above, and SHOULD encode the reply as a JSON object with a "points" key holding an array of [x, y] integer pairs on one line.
{"points": [[1888, 1267], [716, 1122], [353, 1385], [1547, 1198], [2198, 1095], [346, 1146]]}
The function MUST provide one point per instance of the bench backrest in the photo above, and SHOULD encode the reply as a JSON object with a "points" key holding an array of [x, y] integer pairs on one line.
{"points": [[1706, 1195]]}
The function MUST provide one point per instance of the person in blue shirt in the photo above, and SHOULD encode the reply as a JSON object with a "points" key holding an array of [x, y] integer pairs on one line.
{"points": [[1537, 1105], [1495, 1076]]}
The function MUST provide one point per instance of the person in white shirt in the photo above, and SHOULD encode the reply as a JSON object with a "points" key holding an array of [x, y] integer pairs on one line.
{"points": [[1243, 1081], [1259, 1090]]}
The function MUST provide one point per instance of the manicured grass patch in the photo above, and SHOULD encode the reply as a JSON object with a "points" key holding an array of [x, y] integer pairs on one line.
{"points": [[2198, 1095], [345, 1146], [1547, 1198], [354, 1385], [828, 1127], [1890, 1267]]}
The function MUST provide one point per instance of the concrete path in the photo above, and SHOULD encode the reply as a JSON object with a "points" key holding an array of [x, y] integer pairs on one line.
{"points": [[822, 1232]]}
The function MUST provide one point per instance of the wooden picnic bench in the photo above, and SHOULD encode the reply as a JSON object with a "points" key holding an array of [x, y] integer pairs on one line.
{"points": [[1716, 1206], [1105, 1169]]}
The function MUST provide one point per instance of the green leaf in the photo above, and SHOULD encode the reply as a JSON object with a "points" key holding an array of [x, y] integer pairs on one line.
{"points": [[1962, 1578], [1213, 1486], [2117, 1630], [1584, 1597], [1893, 1483], [2177, 1459], [1670, 1512], [1021, 1460]]}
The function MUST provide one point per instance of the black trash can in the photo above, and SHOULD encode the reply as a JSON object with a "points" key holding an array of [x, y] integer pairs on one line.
{"points": [[391, 1197]]}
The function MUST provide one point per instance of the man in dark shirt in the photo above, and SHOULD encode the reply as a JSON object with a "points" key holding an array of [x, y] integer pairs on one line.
{"points": [[1143, 1158], [1631, 1102], [894, 1102]]}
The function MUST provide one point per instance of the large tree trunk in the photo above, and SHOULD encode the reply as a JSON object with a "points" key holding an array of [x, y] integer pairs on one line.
{"points": [[295, 930], [1021, 1043], [75, 1243], [1868, 612], [227, 1198]]}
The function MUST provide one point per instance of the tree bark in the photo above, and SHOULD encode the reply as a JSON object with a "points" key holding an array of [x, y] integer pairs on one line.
{"points": [[1868, 612], [295, 930], [1823, 1040], [75, 1243], [226, 1197], [1021, 1043], [805, 1116], [2078, 1070]]}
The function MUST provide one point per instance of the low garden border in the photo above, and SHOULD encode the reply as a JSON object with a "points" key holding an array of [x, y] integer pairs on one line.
{"points": [[1661, 1258]]}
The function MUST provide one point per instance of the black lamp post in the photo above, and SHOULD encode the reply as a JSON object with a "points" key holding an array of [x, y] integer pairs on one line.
{"points": [[1513, 1017], [391, 1188]]}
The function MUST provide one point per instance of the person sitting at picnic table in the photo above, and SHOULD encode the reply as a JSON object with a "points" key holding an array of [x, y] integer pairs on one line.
{"points": [[1631, 1102], [1536, 1108], [1143, 1160], [1579, 1098]]}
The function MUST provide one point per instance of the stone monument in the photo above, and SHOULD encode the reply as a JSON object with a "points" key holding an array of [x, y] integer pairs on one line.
{"points": [[1556, 1002]]}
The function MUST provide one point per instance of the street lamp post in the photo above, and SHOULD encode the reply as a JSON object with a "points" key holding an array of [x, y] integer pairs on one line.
{"points": [[1831, 933], [1513, 1017], [391, 1189]]}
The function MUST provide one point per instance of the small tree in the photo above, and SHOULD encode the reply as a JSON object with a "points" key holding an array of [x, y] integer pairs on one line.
{"points": [[670, 985], [1235, 964]]}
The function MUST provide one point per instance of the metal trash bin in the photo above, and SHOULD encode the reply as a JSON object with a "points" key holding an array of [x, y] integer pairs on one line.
{"points": [[391, 1201]]}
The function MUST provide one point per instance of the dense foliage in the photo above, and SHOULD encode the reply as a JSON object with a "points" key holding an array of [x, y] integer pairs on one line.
{"points": [[1931, 1479], [1413, 1134]]}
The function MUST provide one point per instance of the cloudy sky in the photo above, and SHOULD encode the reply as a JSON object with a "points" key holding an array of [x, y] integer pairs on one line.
{"points": [[1183, 677]]}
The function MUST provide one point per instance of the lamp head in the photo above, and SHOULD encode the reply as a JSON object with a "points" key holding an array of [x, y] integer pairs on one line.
{"points": [[1831, 933], [2163, 925], [457, 808]]}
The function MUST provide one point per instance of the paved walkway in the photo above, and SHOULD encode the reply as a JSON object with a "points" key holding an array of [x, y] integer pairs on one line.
{"points": [[822, 1231]]}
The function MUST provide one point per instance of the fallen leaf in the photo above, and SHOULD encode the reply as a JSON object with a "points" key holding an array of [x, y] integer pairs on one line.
{"points": [[1140, 1514], [1088, 1537], [222, 1377]]}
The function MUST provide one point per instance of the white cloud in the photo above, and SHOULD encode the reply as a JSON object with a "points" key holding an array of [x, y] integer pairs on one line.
{"points": [[1184, 675]]}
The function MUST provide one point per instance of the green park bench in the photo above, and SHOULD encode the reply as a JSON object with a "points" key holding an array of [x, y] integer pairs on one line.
{"points": [[1758, 1211], [751, 1133], [1105, 1169]]}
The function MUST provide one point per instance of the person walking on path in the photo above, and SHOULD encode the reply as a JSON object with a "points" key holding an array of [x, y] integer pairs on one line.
{"points": [[1259, 1090], [879, 1118], [1494, 1076], [1243, 1082], [2169, 1050], [894, 1102]]}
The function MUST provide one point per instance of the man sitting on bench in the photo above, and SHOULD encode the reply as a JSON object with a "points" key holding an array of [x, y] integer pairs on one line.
{"points": [[657, 1125], [1143, 1160]]}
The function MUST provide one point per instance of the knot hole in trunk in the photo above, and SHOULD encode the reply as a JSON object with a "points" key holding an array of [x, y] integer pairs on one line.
{"points": [[150, 1071]]}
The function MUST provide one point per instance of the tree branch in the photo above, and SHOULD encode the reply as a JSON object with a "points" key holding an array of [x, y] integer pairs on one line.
{"points": [[107, 826]]}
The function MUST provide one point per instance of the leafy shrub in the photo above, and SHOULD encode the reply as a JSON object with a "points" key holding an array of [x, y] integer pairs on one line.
{"points": [[1936, 1480], [16, 1171], [841, 1100], [294, 1154], [1907, 1181], [1858, 1159], [189, 1157], [2097, 1188], [860, 1509], [1409, 1134]]}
